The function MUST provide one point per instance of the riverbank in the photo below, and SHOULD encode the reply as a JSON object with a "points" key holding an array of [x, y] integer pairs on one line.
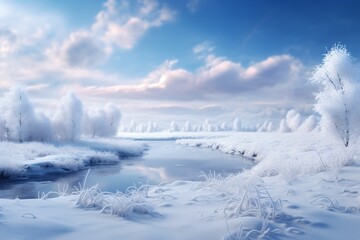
{"points": [[32, 159]]}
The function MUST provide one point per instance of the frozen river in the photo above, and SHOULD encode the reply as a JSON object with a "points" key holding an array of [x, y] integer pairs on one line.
{"points": [[165, 161]]}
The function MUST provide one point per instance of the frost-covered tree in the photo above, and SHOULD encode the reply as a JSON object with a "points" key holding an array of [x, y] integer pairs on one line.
{"points": [[17, 115], [293, 120], [155, 127], [102, 122], [224, 126], [198, 128], [270, 127], [112, 119], [283, 127], [19, 122], [338, 99], [140, 128], [206, 125], [93, 122], [237, 125], [68, 118], [309, 124], [149, 128], [187, 127], [174, 127], [267, 126], [132, 127]]}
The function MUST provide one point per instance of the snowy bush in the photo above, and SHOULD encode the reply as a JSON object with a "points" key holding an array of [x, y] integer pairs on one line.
{"points": [[338, 100], [102, 122], [68, 118]]}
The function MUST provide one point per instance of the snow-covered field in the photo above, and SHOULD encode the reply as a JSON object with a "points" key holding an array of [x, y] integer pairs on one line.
{"points": [[35, 158], [303, 187]]}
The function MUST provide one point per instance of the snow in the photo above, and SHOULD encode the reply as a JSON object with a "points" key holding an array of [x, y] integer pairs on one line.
{"points": [[302, 187], [288, 154], [36, 158]]}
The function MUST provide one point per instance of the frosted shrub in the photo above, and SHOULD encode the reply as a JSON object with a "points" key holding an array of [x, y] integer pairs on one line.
{"points": [[338, 100], [102, 122], [133, 202], [256, 204], [68, 118]]}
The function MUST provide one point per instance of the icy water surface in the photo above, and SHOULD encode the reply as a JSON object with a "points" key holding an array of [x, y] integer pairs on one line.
{"points": [[165, 161]]}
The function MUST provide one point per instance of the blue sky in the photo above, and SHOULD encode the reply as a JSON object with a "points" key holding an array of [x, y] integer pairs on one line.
{"points": [[190, 59]]}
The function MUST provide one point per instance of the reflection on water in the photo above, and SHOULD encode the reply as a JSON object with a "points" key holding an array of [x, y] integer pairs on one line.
{"points": [[164, 162]]}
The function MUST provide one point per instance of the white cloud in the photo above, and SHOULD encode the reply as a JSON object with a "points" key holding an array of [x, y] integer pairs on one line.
{"points": [[203, 49], [276, 75], [148, 6], [81, 49], [117, 26], [8, 41]]}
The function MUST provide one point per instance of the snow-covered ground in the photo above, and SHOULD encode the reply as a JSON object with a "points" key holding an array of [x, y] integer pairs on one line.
{"points": [[303, 187], [290, 155], [35, 158]]}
